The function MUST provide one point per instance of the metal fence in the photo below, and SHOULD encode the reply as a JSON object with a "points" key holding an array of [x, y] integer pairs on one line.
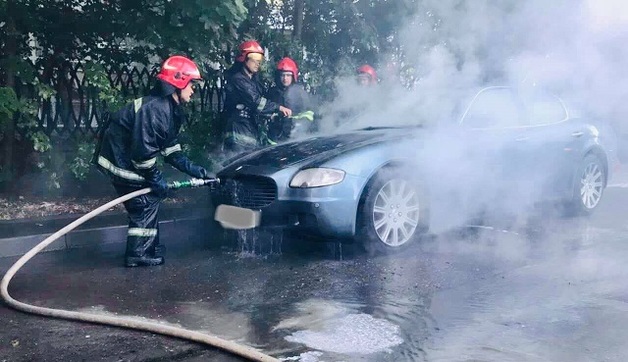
{"points": [[75, 110]]}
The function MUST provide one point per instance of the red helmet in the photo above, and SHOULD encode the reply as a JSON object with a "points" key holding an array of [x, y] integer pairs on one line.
{"points": [[248, 47], [288, 65], [367, 69], [178, 71]]}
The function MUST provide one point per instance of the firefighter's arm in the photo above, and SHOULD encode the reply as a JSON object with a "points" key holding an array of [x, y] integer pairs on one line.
{"points": [[256, 101], [155, 181], [145, 145], [181, 162], [144, 149]]}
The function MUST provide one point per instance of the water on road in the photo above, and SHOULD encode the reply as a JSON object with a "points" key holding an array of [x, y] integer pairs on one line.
{"points": [[540, 289]]}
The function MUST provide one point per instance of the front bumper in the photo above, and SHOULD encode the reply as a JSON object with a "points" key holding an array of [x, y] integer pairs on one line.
{"points": [[328, 211]]}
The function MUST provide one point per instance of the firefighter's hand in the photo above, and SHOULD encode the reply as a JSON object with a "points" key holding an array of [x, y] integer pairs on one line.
{"points": [[200, 172], [160, 188], [156, 182], [287, 112]]}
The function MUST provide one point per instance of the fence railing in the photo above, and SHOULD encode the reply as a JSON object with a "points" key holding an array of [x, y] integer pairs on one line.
{"points": [[76, 110]]}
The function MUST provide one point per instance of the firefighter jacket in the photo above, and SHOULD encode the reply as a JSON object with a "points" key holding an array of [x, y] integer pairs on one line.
{"points": [[244, 103], [298, 100], [137, 134]]}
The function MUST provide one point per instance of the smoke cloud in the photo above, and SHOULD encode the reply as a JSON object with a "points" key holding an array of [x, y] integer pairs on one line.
{"points": [[452, 49], [573, 48]]}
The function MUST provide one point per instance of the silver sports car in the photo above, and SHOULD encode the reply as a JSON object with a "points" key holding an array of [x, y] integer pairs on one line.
{"points": [[386, 185]]}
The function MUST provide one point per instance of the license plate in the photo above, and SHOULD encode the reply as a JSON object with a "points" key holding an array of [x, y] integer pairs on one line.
{"points": [[239, 218]]}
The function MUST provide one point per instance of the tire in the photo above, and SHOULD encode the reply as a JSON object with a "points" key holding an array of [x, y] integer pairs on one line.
{"points": [[589, 185], [407, 216]]}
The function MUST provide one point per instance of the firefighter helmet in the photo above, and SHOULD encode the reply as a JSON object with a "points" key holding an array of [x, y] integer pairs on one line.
{"points": [[288, 65], [178, 71], [367, 69], [248, 47]]}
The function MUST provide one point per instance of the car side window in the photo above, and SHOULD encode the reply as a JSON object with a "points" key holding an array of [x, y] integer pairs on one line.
{"points": [[494, 108], [546, 109]]}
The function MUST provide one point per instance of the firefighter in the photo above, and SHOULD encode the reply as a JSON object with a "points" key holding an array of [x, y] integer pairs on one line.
{"points": [[287, 92], [128, 151], [244, 100], [366, 75], [354, 100]]}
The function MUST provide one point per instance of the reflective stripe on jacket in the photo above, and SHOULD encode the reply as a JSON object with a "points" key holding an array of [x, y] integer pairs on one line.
{"points": [[244, 102], [137, 134]]}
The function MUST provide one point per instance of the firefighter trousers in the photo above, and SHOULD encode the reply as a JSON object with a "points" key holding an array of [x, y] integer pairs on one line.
{"points": [[143, 232]]}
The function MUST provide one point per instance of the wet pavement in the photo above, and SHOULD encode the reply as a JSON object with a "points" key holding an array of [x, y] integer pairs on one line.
{"points": [[515, 289]]}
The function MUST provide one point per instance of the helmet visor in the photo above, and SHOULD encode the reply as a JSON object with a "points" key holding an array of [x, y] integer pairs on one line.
{"points": [[364, 76], [256, 56]]}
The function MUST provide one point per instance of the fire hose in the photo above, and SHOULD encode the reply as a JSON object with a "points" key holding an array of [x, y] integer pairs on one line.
{"points": [[121, 321]]}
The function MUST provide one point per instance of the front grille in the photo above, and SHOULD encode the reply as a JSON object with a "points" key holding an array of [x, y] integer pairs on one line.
{"points": [[253, 192]]}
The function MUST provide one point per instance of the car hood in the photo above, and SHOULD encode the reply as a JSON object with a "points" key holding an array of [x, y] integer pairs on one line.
{"points": [[314, 150]]}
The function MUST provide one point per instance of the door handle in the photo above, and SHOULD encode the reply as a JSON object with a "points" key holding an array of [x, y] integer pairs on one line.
{"points": [[577, 134]]}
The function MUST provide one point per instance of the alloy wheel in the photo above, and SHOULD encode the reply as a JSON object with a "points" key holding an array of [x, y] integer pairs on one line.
{"points": [[591, 185], [396, 212]]}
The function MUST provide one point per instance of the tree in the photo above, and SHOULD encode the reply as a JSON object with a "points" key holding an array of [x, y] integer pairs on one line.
{"points": [[328, 37], [41, 39], [299, 12]]}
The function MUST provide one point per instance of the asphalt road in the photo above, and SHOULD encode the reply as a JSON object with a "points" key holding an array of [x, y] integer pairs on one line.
{"points": [[536, 288]]}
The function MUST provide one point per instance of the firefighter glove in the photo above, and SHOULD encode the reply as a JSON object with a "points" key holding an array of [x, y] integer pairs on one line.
{"points": [[183, 164], [156, 182], [160, 188], [200, 172]]}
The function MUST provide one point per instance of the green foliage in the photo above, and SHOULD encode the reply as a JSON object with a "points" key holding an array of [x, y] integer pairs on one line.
{"points": [[64, 160], [336, 37], [200, 138], [121, 31], [80, 165], [27, 120], [98, 33], [44, 91], [41, 142], [98, 81], [9, 104], [52, 166]]}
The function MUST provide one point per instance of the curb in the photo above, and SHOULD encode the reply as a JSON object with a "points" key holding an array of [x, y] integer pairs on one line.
{"points": [[619, 177], [176, 226]]}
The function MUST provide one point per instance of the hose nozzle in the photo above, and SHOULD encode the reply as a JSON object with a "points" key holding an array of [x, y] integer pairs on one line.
{"points": [[194, 182]]}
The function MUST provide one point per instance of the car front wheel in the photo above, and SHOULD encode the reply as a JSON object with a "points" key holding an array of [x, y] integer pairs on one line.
{"points": [[589, 186], [394, 212]]}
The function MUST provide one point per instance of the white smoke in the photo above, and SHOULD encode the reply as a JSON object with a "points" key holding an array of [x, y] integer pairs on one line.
{"points": [[574, 48]]}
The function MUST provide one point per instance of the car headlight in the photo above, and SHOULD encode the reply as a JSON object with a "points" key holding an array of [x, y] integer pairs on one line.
{"points": [[317, 177]]}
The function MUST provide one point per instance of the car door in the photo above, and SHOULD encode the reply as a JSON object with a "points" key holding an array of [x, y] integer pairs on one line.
{"points": [[554, 141], [497, 129]]}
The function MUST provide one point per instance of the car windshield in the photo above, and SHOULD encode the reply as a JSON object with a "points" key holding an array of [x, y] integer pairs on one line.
{"points": [[492, 107]]}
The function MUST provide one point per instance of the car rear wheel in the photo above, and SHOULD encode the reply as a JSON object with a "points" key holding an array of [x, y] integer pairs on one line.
{"points": [[394, 212], [589, 186]]}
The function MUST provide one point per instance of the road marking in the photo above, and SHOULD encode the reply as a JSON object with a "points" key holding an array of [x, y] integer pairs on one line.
{"points": [[622, 185]]}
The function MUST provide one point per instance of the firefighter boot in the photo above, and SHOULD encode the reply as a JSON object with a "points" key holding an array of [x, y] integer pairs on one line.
{"points": [[133, 261], [141, 252]]}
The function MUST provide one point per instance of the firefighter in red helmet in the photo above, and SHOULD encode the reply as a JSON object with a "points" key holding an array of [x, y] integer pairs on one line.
{"points": [[128, 148], [289, 93], [366, 75], [244, 100]]}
